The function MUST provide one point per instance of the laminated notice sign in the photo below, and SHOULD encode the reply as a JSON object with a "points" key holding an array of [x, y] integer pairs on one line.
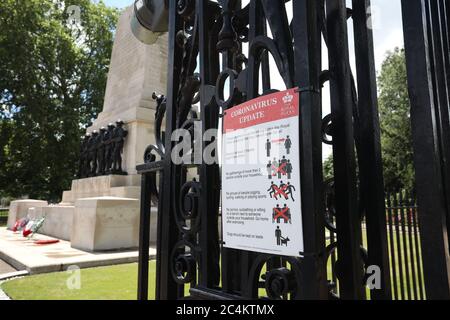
{"points": [[261, 204]]}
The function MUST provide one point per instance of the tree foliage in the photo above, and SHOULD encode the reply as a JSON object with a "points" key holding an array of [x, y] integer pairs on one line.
{"points": [[395, 123], [394, 108], [53, 72]]}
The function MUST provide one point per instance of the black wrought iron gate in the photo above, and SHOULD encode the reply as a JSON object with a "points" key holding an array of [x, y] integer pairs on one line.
{"points": [[206, 57]]}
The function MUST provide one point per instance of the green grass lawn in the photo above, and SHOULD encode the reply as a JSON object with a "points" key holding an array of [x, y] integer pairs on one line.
{"points": [[114, 283], [105, 283]]}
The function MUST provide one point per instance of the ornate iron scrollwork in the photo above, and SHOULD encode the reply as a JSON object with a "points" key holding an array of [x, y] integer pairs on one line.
{"points": [[183, 264], [189, 207], [327, 130], [280, 282]]}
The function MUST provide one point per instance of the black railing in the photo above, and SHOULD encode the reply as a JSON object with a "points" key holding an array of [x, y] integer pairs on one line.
{"points": [[404, 247]]}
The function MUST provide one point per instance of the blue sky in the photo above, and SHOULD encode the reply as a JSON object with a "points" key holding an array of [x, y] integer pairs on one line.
{"points": [[118, 3]]}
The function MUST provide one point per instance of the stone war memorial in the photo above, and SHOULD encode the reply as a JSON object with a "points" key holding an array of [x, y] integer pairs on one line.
{"points": [[257, 150], [101, 210]]}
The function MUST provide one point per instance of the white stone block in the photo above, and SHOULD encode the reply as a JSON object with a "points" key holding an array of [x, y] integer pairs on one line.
{"points": [[104, 186], [58, 220], [19, 209], [105, 223]]}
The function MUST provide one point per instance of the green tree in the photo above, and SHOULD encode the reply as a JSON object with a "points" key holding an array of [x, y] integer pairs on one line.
{"points": [[328, 170], [53, 72], [396, 140], [394, 108]]}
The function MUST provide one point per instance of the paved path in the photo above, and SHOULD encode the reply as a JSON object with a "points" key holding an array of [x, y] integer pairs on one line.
{"points": [[24, 254], [3, 296], [5, 268]]}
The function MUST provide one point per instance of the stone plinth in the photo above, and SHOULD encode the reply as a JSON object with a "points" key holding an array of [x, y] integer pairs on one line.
{"points": [[104, 186], [58, 220], [19, 209], [105, 223]]}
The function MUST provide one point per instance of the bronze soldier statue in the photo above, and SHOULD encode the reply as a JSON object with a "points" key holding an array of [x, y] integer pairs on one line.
{"points": [[100, 148], [93, 153], [119, 135], [109, 148], [83, 164]]}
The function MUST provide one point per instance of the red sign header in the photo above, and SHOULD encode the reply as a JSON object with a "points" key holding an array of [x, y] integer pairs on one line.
{"points": [[272, 107]]}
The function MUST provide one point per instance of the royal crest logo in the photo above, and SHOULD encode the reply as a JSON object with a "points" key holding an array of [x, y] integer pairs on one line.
{"points": [[288, 98]]}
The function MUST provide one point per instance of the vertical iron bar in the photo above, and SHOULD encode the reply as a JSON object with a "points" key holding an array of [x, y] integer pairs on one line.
{"points": [[265, 66], [412, 256], [169, 289], [256, 21], [159, 231], [417, 249], [348, 218], [209, 275], [230, 258], [371, 166], [307, 57], [404, 246], [427, 154], [439, 52], [333, 261], [399, 248], [144, 237], [392, 247]]}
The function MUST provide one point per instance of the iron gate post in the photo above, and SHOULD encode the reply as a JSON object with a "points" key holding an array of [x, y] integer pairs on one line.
{"points": [[425, 109], [307, 57], [370, 161], [348, 221], [168, 235], [144, 238]]}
